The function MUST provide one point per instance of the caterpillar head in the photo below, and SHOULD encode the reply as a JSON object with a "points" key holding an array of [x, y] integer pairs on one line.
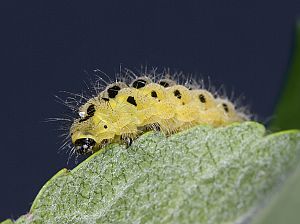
{"points": [[94, 128]]}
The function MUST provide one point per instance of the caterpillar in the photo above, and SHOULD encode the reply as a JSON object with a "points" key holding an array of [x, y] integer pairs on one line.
{"points": [[124, 110]]}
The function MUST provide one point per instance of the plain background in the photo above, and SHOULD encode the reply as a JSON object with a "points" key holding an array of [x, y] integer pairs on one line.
{"points": [[50, 47]]}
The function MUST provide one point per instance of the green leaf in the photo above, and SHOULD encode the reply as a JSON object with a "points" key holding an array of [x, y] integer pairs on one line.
{"points": [[284, 208], [7, 221], [202, 175], [287, 114]]}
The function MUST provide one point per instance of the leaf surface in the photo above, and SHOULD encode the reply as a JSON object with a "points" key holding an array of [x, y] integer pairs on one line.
{"points": [[202, 175]]}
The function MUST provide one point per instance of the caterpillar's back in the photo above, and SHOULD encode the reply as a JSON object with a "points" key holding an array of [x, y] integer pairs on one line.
{"points": [[123, 111]]}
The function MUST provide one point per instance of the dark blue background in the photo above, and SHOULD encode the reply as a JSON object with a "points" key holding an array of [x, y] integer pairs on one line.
{"points": [[47, 47]]}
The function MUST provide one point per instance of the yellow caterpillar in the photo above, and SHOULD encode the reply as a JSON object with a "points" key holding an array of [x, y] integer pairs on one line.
{"points": [[122, 112]]}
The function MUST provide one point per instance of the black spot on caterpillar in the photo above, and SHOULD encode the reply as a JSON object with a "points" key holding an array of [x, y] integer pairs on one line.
{"points": [[153, 94], [113, 91], [177, 94], [225, 106], [202, 98], [131, 100]]}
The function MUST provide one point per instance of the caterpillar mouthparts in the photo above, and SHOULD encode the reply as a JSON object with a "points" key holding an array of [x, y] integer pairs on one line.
{"points": [[84, 145]]}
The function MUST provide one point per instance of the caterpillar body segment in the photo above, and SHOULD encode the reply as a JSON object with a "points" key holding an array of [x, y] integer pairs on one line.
{"points": [[122, 112]]}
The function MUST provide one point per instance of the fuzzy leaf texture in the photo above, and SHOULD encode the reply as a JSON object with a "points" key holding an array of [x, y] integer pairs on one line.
{"points": [[201, 175]]}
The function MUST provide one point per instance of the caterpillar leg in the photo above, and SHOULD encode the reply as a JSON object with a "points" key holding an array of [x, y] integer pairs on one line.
{"points": [[127, 140]]}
